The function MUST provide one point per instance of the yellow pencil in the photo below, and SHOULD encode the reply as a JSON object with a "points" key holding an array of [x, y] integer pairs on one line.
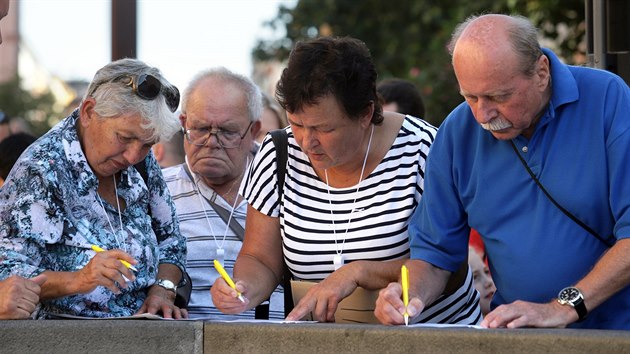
{"points": [[404, 273], [125, 263], [226, 277]]}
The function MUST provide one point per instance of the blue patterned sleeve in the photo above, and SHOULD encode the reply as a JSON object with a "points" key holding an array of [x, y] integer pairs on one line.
{"points": [[31, 218]]}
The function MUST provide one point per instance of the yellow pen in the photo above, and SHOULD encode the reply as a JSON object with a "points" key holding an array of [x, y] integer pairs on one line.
{"points": [[404, 274], [226, 277], [125, 263]]}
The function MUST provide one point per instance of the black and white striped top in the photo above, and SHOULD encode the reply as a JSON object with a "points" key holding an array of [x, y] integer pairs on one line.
{"points": [[377, 229]]}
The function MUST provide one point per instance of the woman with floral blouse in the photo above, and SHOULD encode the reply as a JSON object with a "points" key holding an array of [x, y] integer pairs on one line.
{"points": [[76, 207]]}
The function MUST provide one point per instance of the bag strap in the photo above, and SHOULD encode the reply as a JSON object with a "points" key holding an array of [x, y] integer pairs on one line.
{"points": [[221, 211], [261, 312], [281, 142], [562, 209]]}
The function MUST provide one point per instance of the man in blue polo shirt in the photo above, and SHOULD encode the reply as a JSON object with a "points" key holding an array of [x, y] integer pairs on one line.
{"points": [[571, 126]]}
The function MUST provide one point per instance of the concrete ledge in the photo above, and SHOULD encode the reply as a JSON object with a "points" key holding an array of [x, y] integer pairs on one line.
{"points": [[101, 336], [150, 336], [339, 338]]}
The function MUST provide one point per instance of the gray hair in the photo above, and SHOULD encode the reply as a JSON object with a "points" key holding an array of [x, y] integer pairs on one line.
{"points": [[114, 98], [251, 90], [523, 37]]}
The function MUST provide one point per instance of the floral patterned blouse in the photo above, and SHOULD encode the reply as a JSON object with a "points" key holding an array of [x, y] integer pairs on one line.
{"points": [[51, 215]]}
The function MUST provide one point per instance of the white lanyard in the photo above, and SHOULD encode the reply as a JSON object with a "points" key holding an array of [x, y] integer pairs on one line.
{"points": [[338, 259], [116, 236]]}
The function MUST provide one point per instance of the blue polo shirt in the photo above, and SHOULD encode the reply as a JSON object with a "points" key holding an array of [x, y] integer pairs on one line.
{"points": [[580, 151]]}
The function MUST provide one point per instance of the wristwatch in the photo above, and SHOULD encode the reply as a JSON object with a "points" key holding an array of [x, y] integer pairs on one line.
{"points": [[167, 284], [573, 297]]}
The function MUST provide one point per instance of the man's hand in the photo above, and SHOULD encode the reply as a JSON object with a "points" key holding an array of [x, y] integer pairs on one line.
{"points": [[528, 314], [390, 308]]}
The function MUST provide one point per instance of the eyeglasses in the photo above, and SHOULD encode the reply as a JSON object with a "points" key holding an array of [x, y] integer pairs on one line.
{"points": [[227, 139], [4, 118], [148, 87]]}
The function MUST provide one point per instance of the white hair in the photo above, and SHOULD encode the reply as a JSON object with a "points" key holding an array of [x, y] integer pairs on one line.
{"points": [[114, 98]]}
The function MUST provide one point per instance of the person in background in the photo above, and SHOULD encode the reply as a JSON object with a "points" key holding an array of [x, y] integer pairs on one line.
{"points": [[482, 278], [171, 152], [273, 117], [220, 117], [5, 125], [4, 11], [354, 177], [18, 296], [10, 150], [78, 187], [401, 96], [569, 126]]}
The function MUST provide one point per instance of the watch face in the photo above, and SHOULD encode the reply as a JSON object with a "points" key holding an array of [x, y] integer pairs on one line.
{"points": [[167, 284], [569, 294]]}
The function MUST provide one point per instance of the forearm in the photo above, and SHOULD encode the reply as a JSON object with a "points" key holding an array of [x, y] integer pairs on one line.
{"points": [[609, 275], [60, 284], [374, 275], [261, 279], [426, 281], [170, 272]]}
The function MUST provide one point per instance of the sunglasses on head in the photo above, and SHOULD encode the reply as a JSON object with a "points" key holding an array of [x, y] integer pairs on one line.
{"points": [[148, 87]]}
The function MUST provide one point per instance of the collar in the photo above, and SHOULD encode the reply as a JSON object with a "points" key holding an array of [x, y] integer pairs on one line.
{"points": [[564, 87]]}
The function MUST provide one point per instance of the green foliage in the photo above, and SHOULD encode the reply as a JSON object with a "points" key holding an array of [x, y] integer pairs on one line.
{"points": [[408, 38], [17, 102]]}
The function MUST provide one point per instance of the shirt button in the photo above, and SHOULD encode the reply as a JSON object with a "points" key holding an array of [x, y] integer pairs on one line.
{"points": [[524, 149]]}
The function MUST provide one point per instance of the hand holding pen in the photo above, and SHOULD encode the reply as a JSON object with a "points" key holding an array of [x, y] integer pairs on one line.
{"points": [[106, 269], [125, 263], [228, 280]]}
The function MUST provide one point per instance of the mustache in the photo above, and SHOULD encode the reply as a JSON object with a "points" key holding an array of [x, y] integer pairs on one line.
{"points": [[496, 124]]}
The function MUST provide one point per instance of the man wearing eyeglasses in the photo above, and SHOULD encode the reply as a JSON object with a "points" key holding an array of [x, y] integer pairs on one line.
{"points": [[220, 119]]}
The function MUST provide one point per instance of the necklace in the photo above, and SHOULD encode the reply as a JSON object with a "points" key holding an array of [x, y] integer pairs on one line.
{"points": [[220, 251], [116, 236], [338, 259]]}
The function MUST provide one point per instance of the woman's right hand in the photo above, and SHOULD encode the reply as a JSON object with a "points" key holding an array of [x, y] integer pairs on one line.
{"points": [[105, 269], [226, 299]]}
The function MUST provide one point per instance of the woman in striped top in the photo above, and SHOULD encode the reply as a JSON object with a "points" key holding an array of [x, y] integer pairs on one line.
{"points": [[354, 177]]}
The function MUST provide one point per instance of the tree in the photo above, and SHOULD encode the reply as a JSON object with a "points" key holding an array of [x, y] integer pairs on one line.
{"points": [[36, 110], [407, 38]]}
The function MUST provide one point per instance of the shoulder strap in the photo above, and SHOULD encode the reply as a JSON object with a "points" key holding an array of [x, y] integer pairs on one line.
{"points": [[281, 143], [221, 211], [562, 209]]}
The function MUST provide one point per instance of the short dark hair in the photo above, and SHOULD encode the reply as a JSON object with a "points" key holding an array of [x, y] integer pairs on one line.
{"points": [[404, 93], [10, 150], [340, 66]]}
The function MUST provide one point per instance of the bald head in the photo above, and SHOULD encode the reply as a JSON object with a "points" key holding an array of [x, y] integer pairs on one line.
{"points": [[497, 36]]}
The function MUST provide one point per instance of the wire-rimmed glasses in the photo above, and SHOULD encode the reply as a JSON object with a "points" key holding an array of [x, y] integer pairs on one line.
{"points": [[227, 139]]}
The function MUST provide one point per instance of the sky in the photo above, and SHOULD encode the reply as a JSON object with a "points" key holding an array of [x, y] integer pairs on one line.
{"points": [[72, 38]]}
